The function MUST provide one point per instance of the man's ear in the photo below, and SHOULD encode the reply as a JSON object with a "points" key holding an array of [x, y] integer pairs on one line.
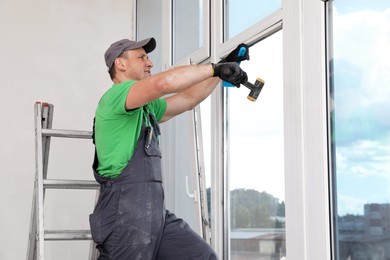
{"points": [[119, 64]]}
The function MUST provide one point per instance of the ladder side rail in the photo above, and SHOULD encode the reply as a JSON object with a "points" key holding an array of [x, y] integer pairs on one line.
{"points": [[32, 240], [34, 235], [39, 175], [46, 123], [93, 252]]}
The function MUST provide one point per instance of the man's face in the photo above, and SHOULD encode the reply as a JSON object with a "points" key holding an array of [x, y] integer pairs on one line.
{"points": [[137, 65]]}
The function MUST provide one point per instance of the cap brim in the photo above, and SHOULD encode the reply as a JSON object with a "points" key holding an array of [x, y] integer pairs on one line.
{"points": [[148, 44]]}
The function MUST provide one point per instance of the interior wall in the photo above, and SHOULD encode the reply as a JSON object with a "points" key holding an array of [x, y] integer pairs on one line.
{"points": [[51, 51]]}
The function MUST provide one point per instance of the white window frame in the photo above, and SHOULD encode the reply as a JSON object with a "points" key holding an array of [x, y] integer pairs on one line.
{"points": [[306, 140], [133, 19], [306, 130]]}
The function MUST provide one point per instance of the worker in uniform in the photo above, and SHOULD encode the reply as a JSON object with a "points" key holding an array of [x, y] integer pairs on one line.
{"points": [[130, 221]]}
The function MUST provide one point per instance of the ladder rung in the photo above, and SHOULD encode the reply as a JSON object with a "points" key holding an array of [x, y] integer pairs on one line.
{"points": [[67, 133], [67, 235], [70, 184]]}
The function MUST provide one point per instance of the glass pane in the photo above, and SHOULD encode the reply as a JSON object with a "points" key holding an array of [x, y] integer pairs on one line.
{"points": [[241, 14], [187, 27], [179, 174], [361, 128], [149, 25], [256, 158]]}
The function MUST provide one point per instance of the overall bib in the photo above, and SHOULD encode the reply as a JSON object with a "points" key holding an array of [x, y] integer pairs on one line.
{"points": [[130, 221]]}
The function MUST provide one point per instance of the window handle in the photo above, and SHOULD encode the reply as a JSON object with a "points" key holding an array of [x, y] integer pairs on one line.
{"points": [[190, 195]]}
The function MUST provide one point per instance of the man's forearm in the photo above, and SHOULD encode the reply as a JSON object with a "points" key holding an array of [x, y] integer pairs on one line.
{"points": [[189, 98], [172, 81], [184, 77], [199, 92]]}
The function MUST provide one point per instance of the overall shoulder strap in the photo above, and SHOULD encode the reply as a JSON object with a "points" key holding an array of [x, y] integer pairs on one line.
{"points": [[93, 130]]}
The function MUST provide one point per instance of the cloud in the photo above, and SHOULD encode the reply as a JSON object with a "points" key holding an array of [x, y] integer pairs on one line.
{"points": [[363, 38], [363, 175], [364, 158], [361, 78]]}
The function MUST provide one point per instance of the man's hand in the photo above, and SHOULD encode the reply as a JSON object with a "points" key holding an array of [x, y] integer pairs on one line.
{"points": [[238, 54], [230, 72]]}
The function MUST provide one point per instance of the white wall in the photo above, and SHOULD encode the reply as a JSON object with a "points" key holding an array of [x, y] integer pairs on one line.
{"points": [[51, 51]]}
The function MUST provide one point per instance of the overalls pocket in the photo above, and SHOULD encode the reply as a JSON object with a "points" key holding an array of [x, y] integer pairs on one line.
{"points": [[153, 161], [135, 214], [101, 226]]}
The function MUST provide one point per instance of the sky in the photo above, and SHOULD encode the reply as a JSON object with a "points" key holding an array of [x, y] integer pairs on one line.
{"points": [[361, 103], [256, 150], [256, 128], [244, 13]]}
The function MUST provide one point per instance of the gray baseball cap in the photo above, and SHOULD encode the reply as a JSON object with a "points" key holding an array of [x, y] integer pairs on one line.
{"points": [[118, 47]]}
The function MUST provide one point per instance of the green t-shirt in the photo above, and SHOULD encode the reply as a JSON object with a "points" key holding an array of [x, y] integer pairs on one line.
{"points": [[117, 130]]}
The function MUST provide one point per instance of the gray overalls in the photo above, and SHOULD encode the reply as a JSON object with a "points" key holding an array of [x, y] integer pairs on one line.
{"points": [[130, 221]]}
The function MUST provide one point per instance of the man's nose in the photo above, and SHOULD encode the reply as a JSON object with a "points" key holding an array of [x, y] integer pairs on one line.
{"points": [[149, 63]]}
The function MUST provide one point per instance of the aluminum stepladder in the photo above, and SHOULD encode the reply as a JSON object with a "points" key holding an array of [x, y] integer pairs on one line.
{"points": [[38, 235]]}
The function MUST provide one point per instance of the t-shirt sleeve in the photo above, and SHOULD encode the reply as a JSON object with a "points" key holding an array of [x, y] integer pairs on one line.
{"points": [[117, 97]]}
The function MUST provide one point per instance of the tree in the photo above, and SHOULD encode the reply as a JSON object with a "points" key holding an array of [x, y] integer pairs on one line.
{"points": [[253, 209]]}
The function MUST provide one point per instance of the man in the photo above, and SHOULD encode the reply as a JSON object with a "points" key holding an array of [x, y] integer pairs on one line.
{"points": [[130, 220]]}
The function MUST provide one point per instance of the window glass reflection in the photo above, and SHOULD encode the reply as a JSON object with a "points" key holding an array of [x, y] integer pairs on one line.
{"points": [[241, 14], [149, 25], [361, 128], [256, 158], [187, 27]]}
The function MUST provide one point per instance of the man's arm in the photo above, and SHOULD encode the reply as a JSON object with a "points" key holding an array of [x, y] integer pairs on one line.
{"points": [[189, 98], [191, 84], [175, 80]]}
